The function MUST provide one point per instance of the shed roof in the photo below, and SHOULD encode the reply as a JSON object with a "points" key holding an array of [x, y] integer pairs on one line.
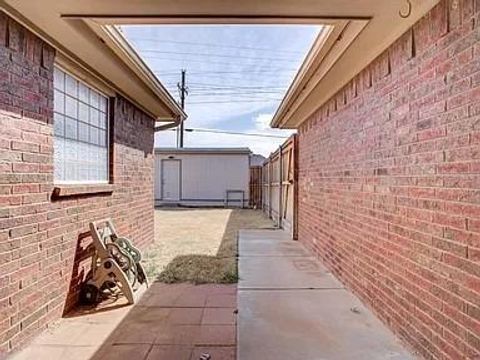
{"points": [[205, 150]]}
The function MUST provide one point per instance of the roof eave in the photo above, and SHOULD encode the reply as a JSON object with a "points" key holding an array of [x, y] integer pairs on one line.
{"points": [[126, 51], [117, 44], [351, 51]]}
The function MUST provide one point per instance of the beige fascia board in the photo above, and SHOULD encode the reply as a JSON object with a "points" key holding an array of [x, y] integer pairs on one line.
{"points": [[327, 49], [209, 19], [167, 126], [313, 58]]}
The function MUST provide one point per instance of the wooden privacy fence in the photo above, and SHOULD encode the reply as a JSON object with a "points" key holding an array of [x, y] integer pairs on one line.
{"points": [[256, 187], [280, 190]]}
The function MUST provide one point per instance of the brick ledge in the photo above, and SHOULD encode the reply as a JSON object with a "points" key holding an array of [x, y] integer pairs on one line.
{"points": [[60, 191]]}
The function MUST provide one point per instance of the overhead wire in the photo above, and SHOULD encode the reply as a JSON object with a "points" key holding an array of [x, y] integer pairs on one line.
{"points": [[176, 73], [221, 92], [200, 61], [228, 132], [234, 101], [216, 55], [214, 45]]}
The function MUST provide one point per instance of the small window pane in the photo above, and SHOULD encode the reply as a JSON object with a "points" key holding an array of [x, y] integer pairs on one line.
{"points": [[70, 128], [94, 117], [83, 93], [102, 138], [59, 124], [71, 107], [83, 162], [102, 121], [58, 163], [93, 135], [103, 104], [94, 99], [59, 79], [71, 86], [71, 150], [83, 113], [71, 170], [83, 132], [59, 102]]}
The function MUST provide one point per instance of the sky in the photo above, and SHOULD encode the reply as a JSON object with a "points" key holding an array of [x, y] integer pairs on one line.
{"points": [[236, 77]]}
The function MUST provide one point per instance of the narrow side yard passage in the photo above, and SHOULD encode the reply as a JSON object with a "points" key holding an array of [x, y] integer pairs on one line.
{"points": [[291, 307]]}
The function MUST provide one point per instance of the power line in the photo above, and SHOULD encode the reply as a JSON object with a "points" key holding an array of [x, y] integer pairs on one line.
{"points": [[249, 78], [216, 55], [215, 45], [206, 88], [201, 61], [274, 71], [238, 76], [242, 75], [239, 89], [229, 88], [233, 91], [226, 132], [215, 85], [241, 94], [233, 101]]}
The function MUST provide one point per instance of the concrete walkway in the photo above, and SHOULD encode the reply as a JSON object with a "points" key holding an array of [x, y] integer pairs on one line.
{"points": [[291, 307]]}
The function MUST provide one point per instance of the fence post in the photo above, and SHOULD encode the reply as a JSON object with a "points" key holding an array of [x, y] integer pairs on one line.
{"points": [[270, 188], [295, 187], [280, 187]]}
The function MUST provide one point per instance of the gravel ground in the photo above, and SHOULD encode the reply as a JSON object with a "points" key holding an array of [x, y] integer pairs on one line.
{"points": [[199, 245]]}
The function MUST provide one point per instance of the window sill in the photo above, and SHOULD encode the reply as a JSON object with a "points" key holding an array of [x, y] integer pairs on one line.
{"points": [[60, 191]]}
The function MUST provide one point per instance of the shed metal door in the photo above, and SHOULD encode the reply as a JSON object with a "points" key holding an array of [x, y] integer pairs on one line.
{"points": [[171, 179]]}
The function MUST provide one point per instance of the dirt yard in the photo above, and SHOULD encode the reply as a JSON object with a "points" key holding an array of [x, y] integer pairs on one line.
{"points": [[199, 245]]}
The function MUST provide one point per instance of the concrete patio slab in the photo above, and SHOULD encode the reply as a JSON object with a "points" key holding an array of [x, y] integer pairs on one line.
{"points": [[269, 242], [263, 234], [271, 247], [296, 272], [291, 307], [311, 324]]}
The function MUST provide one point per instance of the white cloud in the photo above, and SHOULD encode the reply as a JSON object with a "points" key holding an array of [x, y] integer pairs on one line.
{"points": [[262, 121]]}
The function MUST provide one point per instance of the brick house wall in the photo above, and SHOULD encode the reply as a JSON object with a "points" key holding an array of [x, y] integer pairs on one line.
{"points": [[389, 183], [43, 239]]}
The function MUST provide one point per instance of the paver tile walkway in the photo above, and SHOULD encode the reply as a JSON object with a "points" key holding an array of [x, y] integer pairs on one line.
{"points": [[169, 322], [291, 307]]}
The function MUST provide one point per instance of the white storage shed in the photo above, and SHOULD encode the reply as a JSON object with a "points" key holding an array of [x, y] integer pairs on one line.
{"points": [[202, 176]]}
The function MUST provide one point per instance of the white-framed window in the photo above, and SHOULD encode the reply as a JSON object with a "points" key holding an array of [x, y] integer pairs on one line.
{"points": [[80, 123]]}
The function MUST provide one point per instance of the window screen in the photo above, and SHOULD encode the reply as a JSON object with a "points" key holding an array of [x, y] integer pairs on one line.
{"points": [[80, 131]]}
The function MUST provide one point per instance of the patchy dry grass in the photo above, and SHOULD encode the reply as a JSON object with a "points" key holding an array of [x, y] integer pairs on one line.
{"points": [[199, 245]]}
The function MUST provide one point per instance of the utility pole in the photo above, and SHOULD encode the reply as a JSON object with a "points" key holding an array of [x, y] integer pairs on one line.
{"points": [[183, 92]]}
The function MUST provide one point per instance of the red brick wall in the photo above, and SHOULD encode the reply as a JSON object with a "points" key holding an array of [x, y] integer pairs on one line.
{"points": [[43, 240], [389, 183]]}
